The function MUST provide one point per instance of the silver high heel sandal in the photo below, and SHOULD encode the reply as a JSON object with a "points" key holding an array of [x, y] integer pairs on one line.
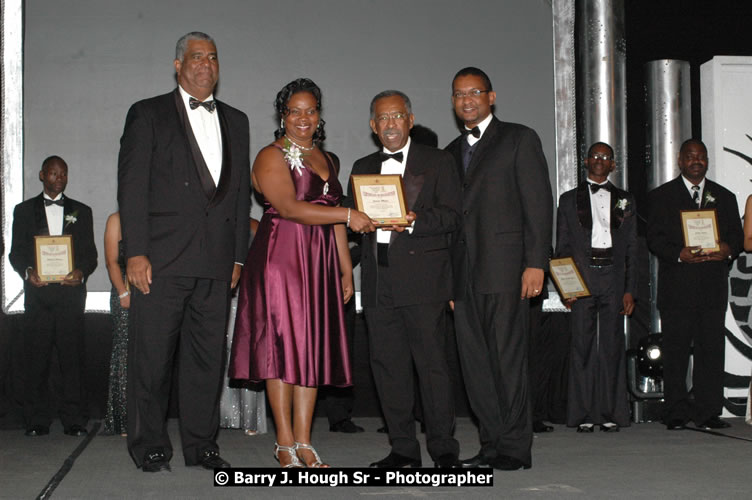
{"points": [[290, 450], [318, 463]]}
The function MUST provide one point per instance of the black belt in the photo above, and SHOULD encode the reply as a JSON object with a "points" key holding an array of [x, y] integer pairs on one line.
{"points": [[601, 257], [382, 254]]}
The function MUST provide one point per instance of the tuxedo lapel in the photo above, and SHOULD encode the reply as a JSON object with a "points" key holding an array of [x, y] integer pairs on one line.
{"points": [[207, 183], [487, 139], [225, 175], [412, 181], [584, 210], [617, 214], [40, 217]]}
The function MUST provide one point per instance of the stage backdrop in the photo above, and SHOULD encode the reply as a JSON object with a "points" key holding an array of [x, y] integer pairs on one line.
{"points": [[86, 62], [727, 131]]}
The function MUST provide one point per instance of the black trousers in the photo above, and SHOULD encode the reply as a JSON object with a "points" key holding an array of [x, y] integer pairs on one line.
{"points": [[339, 401], [492, 342], [683, 328], [187, 316], [54, 319], [403, 341], [597, 391]]}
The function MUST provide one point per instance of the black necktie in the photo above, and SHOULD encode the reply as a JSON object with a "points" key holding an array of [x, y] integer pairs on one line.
{"points": [[59, 202], [696, 195], [210, 106], [394, 156], [596, 187], [475, 132]]}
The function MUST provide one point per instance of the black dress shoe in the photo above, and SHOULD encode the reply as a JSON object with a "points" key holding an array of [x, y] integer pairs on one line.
{"points": [[714, 423], [504, 462], [396, 461], [37, 430], [676, 424], [478, 460], [211, 460], [75, 430], [347, 426], [155, 461], [447, 461], [540, 427], [383, 430], [610, 427], [585, 428]]}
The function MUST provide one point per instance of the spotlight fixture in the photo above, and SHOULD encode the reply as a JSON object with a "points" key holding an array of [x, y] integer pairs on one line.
{"points": [[650, 356]]}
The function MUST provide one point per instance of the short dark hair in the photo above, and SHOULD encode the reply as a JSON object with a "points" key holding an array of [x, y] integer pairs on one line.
{"points": [[52, 159], [283, 97], [391, 93], [590, 150], [182, 44], [473, 71], [692, 141]]}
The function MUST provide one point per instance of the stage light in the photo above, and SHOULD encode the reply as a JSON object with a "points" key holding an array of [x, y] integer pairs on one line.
{"points": [[650, 356]]}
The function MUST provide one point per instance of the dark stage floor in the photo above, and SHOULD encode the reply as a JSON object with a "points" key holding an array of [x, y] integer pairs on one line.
{"points": [[643, 461]]}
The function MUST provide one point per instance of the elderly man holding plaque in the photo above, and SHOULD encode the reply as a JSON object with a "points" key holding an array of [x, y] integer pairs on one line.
{"points": [[53, 250], [693, 285], [596, 226], [407, 282]]}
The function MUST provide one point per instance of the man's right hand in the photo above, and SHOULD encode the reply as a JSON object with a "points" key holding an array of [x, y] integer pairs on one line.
{"points": [[34, 279], [692, 255], [138, 270]]}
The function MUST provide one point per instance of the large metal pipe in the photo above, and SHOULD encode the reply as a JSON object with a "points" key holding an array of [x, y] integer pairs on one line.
{"points": [[601, 81], [668, 117]]}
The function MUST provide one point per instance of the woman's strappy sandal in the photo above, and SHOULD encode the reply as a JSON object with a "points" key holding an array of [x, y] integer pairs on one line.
{"points": [[318, 463], [290, 450]]}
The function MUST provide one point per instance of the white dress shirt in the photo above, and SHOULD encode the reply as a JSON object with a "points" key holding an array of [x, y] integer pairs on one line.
{"points": [[600, 206], [54, 216], [482, 126], [689, 185], [392, 166], [208, 134]]}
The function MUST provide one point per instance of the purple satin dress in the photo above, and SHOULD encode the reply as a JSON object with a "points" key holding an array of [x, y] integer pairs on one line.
{"points": [[290, 322]]}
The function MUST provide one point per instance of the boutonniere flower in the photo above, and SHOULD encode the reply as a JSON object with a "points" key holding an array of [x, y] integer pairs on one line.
{"points": [[293, 156], [622, 204], [709, 198], [71, 218]]}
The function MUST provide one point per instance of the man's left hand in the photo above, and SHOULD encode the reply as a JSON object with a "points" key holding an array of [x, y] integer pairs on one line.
{"points": [[410, 217], [235, 275], [721, 254], [532, 282], [74, 278], [628, 302]]}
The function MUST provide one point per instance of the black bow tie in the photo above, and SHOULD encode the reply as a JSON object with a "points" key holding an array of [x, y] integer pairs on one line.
{"points": [[210, 106], [595, 187], [59, 202], [394, 156], [475, 132]]}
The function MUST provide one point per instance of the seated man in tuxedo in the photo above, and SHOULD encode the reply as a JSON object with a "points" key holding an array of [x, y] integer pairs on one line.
{"points": [[596, 226], [54, 311], [693, 289], [406, 284]]}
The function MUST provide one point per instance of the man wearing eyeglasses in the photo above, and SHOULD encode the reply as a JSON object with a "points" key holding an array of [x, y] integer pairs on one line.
{"points": [[693, 288], [406, 284], [499, 258], [596, 226]]}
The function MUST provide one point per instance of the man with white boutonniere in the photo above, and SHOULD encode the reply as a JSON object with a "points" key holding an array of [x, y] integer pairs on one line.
{"points": [[596, 226], [54, 305], [693, 288]]}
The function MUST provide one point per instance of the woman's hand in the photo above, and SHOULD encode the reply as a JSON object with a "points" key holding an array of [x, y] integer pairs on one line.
{"points": [[125, 302], [360, 222], [348, 289]]}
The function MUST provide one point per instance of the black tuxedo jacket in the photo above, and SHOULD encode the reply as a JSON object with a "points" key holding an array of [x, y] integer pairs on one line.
{"points": [[419, 263], [682, 285], [507, 210], [30, 219], [170, 210], [574, 231]]}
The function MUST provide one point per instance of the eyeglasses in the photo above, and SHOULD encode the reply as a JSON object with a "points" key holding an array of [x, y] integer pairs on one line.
{"points": [[396, 116], [470, 93], [598, 156]]}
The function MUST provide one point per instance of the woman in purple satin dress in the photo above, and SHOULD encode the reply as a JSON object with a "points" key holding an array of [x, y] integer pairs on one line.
{"points": [[290, 328]]}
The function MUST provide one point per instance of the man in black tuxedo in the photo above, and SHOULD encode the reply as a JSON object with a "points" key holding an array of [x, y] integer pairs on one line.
{"points": [[693, 289], [54, 312], [499, 258], [406, 284], [184, 196], [596, 226]]}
